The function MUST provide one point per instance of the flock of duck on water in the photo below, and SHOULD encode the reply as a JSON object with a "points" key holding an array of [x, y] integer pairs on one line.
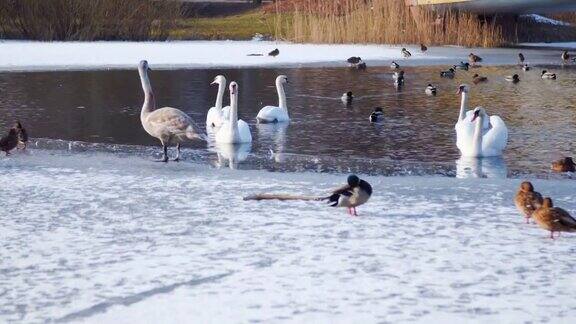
{"points": [[477, 135]]}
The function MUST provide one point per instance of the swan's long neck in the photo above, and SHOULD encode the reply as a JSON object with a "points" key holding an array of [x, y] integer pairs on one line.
{"points": [[149, 102], [477, 139], [233, 123], [220, 96], [281, 96], [463, 105]]}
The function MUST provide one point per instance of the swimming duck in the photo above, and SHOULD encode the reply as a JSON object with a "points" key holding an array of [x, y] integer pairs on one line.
{"points": [[274, 53], [521, 58], [22, 135], [355, 193], [354, 60], [565, 56], [553, 219], [347, 97], [406, 53], [564, 165], [462, 66], [548, 75], [512, 78], [361, 66], [10, 141], [430, 90], [479, 79], [473, 58], [394, 66], [448, 74], [377, 115], [525, 68], [423, 48], [527, 200]]}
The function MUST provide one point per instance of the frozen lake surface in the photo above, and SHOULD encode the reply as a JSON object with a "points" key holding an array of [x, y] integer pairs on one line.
{"points": [[102, 238]]}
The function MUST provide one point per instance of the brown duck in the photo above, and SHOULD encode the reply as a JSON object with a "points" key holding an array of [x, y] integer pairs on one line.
{"points": [[527, 200], [479, 79], [554, 219], [9, 142], [564, 165], [473, 58]]}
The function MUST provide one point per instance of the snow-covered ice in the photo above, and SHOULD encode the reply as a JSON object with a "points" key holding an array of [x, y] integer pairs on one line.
{"points": [[99, 238], [32, 56]]}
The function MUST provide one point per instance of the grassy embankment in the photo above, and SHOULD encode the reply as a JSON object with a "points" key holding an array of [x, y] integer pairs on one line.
{"points": [[310, 21]]}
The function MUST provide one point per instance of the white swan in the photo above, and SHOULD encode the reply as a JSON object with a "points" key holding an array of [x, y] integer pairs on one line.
{"points": [[464, 127], [217, 115], [489, 142], [169, 125], [234, 130], [273, 114]]}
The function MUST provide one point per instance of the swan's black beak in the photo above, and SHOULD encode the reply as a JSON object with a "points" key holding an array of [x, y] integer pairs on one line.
{"points": [[460, 90], [476, 114], [149, 69], [213, 82]]}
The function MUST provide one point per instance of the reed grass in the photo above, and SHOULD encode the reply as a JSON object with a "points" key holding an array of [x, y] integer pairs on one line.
{"points": [[87, 19], [383, 22]]}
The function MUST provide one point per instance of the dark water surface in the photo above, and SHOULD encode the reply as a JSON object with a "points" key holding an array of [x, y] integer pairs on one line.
{"points": [[416, 137]]}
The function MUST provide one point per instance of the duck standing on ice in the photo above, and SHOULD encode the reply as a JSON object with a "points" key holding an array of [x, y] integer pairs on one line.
{"points": [[527, 200], [355, 193], [554, 219]]}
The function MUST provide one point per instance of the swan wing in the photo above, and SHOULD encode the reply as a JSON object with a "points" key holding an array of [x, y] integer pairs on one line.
{"points": [[214, 117], [244, 132], [171, 122], [494, 140], [271, 114]]}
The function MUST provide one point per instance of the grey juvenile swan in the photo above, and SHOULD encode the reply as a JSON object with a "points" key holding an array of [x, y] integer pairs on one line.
{"points": [[169, 125]]}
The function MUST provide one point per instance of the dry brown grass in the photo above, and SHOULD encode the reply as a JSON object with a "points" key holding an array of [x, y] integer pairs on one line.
{"points": [[87, 19], [383, 22]]}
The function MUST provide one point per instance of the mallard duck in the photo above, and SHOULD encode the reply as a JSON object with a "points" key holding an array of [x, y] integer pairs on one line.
{"points": [[396, 76], [548, 75], [527, 200], [274, 53], [473, 58], [553, 219], [448, 74], [525, 68], [521, 58], [479, 79], [406, 53], [377, 115], [347, 97], [462, 66], [22, 135], [361, 66], [354, 60], [423, 48], [564, 165], [10, 141], [512, 78], [430, 90], [355, 193], [565, 56]]}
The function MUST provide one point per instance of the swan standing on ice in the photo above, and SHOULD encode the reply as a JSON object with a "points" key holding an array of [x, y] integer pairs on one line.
{"points": [[217, 115], [273, 114], [169, 125], [234, 130], [489, 142]]}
